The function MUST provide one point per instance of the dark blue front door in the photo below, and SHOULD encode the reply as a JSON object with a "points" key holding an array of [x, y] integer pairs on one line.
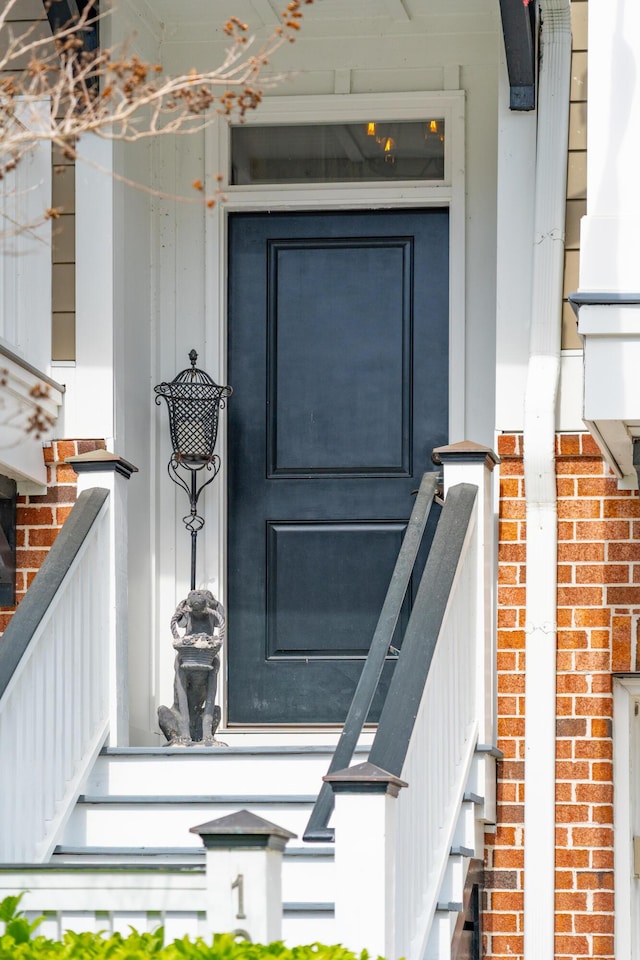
{"points": [[338, 358]]}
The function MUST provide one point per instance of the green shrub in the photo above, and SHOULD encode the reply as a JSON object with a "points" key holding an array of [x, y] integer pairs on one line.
{"points": [[19, 943]]}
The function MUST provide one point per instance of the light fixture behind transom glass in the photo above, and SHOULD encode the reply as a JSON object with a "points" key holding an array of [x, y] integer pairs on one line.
{"points": [[338, 152]]}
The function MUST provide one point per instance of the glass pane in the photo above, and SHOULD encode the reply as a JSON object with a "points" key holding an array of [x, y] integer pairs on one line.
{"points": [[338, 152]]}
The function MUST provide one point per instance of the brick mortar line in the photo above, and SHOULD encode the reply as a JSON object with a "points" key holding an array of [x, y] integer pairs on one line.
{"points": [[563, 456]]}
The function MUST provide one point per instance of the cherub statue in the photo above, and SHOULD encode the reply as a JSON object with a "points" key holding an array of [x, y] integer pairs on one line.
{"points": [[194, 718]]}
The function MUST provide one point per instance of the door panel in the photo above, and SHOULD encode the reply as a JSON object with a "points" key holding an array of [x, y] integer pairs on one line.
{"points": [[347, 411], [302, 574], [338, 356]]}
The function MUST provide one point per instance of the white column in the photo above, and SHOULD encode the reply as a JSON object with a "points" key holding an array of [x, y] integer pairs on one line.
{"points": [[365, 848], [244, 875], [99, 468], [90, 400]]}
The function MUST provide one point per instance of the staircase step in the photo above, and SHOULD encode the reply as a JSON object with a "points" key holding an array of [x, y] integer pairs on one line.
{"points": [[306, 922], [104, 855], [123, 856], [126, 821], [469, 833], [307, 872], [194, 799], [452, 888], [239, 769], [442, 929]]}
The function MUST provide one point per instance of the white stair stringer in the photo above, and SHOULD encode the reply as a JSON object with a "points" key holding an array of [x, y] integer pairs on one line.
{"points": [[447, 930]]}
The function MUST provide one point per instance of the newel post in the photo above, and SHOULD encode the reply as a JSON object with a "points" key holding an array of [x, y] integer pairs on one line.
{"points": [[365, 819], [99, 468], [469, 462], [244, 875]]}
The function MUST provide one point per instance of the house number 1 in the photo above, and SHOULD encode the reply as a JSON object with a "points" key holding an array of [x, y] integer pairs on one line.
{"points": [[238, 884]]}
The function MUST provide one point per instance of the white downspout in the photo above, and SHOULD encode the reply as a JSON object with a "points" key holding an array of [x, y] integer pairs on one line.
{"points": [[540, 483]]}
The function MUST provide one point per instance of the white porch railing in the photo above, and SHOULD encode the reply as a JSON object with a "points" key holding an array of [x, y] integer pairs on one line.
{"points": [[63, 665], [438, 763], [393, 844], [54, 709]]}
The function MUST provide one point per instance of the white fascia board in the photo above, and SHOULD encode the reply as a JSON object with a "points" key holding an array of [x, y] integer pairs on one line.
{"points": [[611, 381], [611, 399], [609, 320], [616, 445]]}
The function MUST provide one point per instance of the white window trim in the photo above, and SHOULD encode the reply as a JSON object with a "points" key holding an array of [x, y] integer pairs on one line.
{"points": [[626, 798], [449, 192]]}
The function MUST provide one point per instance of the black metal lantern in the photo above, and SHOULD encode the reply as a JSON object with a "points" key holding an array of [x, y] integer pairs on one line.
{"points": [[194, 402]]}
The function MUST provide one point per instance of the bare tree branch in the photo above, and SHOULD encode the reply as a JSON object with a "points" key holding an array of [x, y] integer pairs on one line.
{"points": [[116, 95]]}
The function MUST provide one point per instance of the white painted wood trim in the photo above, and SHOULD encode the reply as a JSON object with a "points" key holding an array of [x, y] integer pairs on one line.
{"points": [[485, 545], [365, 859], [626, 693], [449, 192], [117, 610], [89, 403]]}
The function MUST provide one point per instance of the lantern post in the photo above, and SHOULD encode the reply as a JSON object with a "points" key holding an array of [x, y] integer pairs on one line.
{"points": [[194, 402]]}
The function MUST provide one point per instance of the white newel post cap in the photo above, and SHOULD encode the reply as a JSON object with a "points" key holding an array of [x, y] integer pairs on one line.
{"points": [[365, 848], [86, 465], [464, 455], [244, 875], [365, 778]]}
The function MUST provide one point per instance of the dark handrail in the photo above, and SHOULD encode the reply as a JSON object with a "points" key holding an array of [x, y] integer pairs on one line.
{"points": [[25, 621], [317, 830], [402, 702]]}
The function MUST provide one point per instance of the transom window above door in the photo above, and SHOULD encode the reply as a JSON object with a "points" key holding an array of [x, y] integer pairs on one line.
{"points": [[338, 152]]}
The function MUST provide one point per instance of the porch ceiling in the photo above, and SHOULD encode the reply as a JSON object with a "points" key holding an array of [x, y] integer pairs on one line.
{"points": [[407, 43], [266, 12]]}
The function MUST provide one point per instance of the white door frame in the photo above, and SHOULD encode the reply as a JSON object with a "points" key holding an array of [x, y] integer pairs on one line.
{"points": [[448, 192]]}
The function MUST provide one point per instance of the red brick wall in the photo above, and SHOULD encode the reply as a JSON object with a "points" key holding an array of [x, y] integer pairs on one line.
{"points": [[598, 609], [40, 518]]}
